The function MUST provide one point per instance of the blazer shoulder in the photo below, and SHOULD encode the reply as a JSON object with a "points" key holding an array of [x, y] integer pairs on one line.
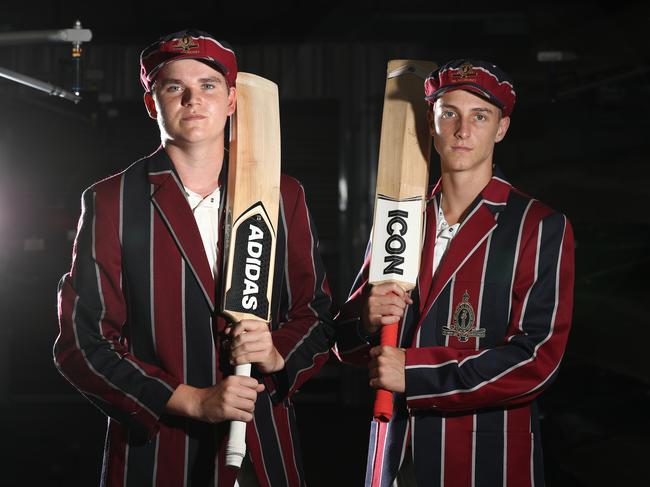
{"points": [[290, 185], [291, 190], [536, 209], [112, 183], [530, 213]]}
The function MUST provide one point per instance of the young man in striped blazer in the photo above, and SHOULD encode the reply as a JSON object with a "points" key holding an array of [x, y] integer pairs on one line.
{"points": [[140, 334], [484, 331]]}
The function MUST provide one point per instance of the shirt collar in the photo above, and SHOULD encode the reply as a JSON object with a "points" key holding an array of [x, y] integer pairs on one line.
{"points": [[443, 228], [195, 200], [494, 194]]}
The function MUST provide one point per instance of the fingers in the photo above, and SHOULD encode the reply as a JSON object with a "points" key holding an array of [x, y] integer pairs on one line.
{"points": [[246, 331], [239, 397], [386, 368], [388, 288], [251, 347], [242, 349], [385, 305], [232, 399], [246, 326], [375, 352], [387, 351], [376, 378], [252, 343], [247, 384], [387, 319], [252, 335], [244, 386], [267, 360], [391, 288]]}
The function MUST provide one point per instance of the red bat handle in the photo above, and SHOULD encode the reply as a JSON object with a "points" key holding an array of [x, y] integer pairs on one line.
{"points": [[384, 399]]}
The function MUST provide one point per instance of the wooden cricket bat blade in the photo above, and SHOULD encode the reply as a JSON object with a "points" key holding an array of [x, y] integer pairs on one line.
{"points": [[402, 180], [252, 205]]}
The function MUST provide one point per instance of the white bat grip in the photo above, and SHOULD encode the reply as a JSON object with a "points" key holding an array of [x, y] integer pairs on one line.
{"points": [[236, 447]]}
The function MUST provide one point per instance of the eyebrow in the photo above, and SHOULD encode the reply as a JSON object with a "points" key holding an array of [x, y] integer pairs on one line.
{"points": [[167, 81], [477, 109]]}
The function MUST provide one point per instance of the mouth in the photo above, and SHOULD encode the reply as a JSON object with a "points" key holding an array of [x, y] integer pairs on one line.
{"points": [[460, 148], [193, 117]]}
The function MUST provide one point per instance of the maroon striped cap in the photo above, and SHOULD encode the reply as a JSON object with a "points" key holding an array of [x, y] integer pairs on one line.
{"points": [[479, 77], [187, 44]]}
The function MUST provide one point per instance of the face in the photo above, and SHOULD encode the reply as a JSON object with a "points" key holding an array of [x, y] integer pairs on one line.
{"points": [[191, 102], [465, 128]]}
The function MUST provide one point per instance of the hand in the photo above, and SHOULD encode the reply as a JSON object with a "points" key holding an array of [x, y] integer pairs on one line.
{"points": [[231, 399], [384, 305], [252, 344], [386, 368]]}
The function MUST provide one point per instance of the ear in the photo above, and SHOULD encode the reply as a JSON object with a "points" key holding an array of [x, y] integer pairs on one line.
{"points": [[150, 104], [504, 123], [232, 100]]}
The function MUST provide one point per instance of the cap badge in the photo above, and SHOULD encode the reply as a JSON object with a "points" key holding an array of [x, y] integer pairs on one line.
{"points": [[463, 321], [185, 44], [465, 72]]}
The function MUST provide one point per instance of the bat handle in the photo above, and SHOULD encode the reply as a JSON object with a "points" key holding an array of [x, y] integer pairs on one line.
{"points": [[236, 447], [383, 410]]}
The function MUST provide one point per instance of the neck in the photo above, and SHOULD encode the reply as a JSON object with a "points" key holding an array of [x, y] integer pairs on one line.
{"points": [[460, 189], [197, 165]]}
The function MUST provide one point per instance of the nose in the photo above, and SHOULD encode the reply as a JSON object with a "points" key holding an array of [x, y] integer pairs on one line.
{"points": [[191, 97], [462, 128]]}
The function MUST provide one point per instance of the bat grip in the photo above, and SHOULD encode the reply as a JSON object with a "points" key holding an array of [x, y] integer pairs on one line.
{"points": [[383, 410], [236, 446]]}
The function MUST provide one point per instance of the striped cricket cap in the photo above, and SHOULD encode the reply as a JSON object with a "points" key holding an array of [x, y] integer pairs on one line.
{"points": [[479, 77], [187, 44]]}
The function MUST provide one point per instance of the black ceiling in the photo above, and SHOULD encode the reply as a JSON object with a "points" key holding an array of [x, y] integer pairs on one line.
{"points": [[570, 23], [607, 38]]}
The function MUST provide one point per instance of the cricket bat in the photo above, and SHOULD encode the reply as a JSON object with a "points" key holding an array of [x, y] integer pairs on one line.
{"points": [[402, 180], [251, 220]]}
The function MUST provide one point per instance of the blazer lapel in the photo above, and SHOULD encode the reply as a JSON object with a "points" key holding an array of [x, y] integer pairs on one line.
{"points": [[426, 262], [169, 199], [473, 231]]}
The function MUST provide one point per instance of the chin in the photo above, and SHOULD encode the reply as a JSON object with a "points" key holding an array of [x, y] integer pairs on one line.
{"points": [[193, 136], [458, 163]]}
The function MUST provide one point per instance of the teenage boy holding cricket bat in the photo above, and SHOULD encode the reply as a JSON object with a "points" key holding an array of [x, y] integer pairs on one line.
{"points": [[484, 331], [140, 331]]}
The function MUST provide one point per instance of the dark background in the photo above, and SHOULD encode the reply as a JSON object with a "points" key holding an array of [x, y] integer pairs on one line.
{"points": [[578, 141]]}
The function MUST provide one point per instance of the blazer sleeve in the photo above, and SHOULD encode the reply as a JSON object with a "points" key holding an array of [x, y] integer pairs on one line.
{"points": [[305, 333], [91, 350], [515, 372], [352, 345]]}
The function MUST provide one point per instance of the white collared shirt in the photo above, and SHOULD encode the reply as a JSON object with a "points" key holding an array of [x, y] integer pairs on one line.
{"points": [[206, 214], [444, 234]]}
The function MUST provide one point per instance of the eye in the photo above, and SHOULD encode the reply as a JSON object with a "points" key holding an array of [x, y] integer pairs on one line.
{"points": [[481, 117], [173, 88], [208, 86], [447, 114]]}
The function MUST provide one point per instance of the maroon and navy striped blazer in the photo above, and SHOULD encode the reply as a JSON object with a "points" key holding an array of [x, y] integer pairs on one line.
{"points": [[468, 410], [138, 315]]}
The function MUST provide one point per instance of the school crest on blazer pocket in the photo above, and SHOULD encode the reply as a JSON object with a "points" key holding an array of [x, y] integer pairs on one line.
{"points": [[463, 319]]}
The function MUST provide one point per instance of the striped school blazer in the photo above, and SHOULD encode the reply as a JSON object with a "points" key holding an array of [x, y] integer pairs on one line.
{"points": [[484, 337], [139, 315]]}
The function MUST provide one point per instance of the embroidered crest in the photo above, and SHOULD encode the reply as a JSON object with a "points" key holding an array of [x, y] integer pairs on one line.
{"points": [[185, 44], [464, 72], [463, 322]]}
